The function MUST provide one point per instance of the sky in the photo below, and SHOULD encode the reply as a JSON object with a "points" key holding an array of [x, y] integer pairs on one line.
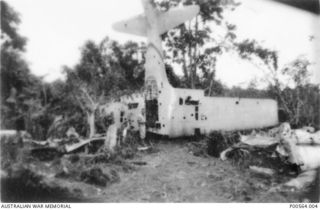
{"points": [[56, 29]]}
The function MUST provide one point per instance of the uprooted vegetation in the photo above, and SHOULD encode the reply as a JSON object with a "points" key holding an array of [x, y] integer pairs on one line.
{"points": [[32, 173], [242, 166]]}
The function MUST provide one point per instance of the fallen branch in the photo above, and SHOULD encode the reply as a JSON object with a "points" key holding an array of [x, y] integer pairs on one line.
{"points": [[73, 147], [140, 163]]}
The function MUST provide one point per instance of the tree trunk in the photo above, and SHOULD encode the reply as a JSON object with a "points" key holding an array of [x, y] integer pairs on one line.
{"points": [[191, 77], [284, 103], [91, 107], [91, 120], [184, 60], [210, 85], [184, 66], [195, 54], [190, 59], [297, 114]]}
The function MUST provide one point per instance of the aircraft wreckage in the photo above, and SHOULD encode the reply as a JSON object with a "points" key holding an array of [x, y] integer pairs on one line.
{"points": [[175, 112]]}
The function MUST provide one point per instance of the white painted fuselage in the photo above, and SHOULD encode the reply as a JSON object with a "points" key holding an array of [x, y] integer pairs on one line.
{"points": [[178, 112]]}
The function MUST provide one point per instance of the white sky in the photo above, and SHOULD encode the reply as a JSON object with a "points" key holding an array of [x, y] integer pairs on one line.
{"points": [[56, 29]]}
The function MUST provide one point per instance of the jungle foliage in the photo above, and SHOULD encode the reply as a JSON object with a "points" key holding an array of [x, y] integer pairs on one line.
{"points": [[108, 69]]}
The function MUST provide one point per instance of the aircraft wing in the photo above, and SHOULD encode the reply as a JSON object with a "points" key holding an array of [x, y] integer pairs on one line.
{"points": [[166, 21], [136, 25], [176, 16]]}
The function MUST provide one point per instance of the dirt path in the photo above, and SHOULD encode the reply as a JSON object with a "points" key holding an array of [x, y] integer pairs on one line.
{"points": [[175, 175], [171, 174]]}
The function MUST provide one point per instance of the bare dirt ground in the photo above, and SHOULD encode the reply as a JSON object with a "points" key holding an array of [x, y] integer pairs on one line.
{"points": [[174, 174]]}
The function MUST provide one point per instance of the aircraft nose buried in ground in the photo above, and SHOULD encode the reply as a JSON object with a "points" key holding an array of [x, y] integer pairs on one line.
{"points": [[178, 112]]}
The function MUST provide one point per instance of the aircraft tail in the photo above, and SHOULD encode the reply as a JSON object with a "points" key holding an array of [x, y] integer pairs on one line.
{"points": [[138, 25], [176, 16]]}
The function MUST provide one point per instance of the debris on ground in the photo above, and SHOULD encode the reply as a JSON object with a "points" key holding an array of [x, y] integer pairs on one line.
{"points": [[140, 163], [262, 171], [279, 158], [308, 129], [303, 180], [280, 150], [97, 177], [72, 147], [22, 184], [71, 133], [46, 153], [258, 140], [219, 141], [223, 154], [198, 148], [300, 147], [58, 165], [143, 148]]}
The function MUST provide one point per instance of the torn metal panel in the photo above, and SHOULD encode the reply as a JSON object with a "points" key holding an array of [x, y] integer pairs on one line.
{"points": [[263, 171], [303, 180], [259, 140], [300, 146]]}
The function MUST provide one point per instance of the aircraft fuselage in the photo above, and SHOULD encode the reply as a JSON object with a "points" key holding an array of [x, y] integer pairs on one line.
{"points": [[178, 112]]}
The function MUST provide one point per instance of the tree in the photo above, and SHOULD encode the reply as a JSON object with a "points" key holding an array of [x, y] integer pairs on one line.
{"points": [[298, 98], [63, 111], [303, 98], [19, 88], [268, 59], [131, 60], [10, 38], [14, 70], [188, 43], [105, 72]]}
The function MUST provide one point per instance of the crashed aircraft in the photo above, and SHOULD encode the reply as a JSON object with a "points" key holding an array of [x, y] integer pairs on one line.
{"points": [[176, 112]]}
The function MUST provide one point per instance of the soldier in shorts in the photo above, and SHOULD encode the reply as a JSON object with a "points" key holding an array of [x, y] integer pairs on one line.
{"points": [[142, 126]]}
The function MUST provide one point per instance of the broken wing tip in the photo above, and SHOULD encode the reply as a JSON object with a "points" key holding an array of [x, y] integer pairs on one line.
{"points": [[196, 9], [116, 26]]}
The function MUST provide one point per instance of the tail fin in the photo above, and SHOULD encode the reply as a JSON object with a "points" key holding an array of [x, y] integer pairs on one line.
{"points": [[139, 25]]}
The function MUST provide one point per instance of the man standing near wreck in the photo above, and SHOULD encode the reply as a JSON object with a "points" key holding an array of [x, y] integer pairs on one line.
{"points": [[142, 126], [111, 135]]}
